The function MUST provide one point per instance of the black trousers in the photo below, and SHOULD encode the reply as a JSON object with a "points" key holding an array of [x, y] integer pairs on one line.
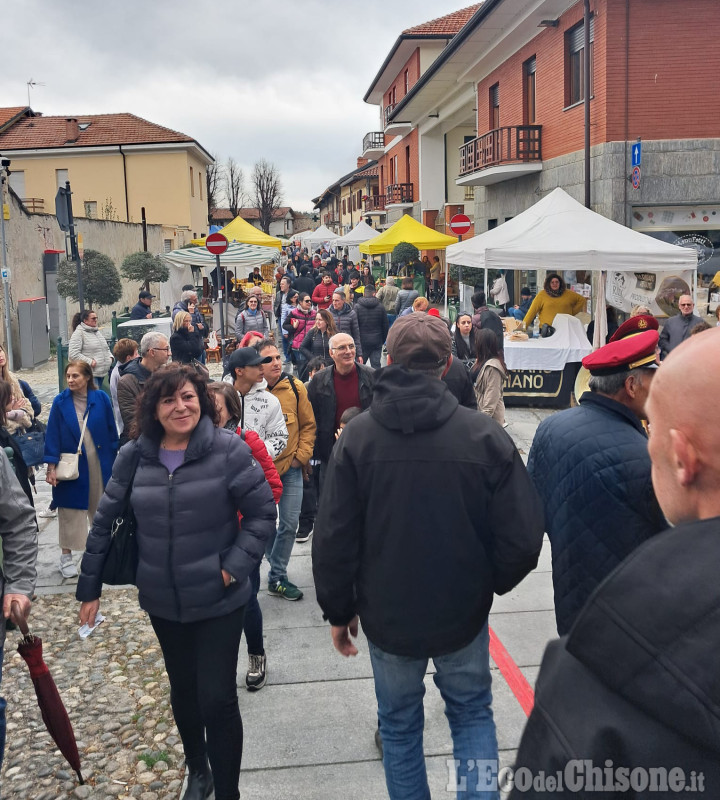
{"points": [[201, 662], [311, 494]]}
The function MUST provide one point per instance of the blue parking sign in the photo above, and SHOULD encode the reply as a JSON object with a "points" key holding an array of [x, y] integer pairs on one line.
{"points": [[636, 154]]}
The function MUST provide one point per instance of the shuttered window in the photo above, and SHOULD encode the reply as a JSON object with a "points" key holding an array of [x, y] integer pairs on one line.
{"points": [[575, 87]]}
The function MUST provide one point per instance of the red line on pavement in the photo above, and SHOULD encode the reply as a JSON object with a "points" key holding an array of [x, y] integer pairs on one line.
{"points": [[514, 678]]}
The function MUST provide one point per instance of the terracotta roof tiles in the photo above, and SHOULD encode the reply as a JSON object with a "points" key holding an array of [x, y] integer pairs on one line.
{"points": [[93, 130], [448, 25], [7, 115]]}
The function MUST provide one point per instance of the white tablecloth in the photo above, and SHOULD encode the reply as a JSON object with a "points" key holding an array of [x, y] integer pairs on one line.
{"points": [[569, 343]]}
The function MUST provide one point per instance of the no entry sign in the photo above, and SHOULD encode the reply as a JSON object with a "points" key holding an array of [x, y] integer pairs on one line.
{"points": [[460, 224], [216, 243]]}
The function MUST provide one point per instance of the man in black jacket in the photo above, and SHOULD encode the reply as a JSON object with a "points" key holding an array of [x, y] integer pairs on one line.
{"points": [[373, 325], [141, 309], [304, 283], [346, 384], [633, 693], [421, 576]]}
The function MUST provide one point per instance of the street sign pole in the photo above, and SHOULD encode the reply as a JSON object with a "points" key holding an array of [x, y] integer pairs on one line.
{"points": [[221, 300], [5, 275], [74, 252]]}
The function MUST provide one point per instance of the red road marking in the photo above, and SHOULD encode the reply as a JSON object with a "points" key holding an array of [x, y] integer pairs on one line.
{"points": [[517, 682]]}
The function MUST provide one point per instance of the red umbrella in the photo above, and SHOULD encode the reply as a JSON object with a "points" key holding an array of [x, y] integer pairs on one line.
{"points": [[53, 711]]}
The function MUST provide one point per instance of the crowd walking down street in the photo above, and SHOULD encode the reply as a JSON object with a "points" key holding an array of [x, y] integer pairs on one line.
{"points": [[411, 532]]}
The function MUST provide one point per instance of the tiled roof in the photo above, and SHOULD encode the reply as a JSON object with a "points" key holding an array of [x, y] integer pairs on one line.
{"points": [[369, 172], [102, 129], [218, 214], [448, 25], [7, 115]]}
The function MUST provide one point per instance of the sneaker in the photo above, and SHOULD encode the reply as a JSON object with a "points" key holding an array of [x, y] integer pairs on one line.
{"points": [[285, 589], [67, 567], [257, 672], [303, 536], [48, 513]]}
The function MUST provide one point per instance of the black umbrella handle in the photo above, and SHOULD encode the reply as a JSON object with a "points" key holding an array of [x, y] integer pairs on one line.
{"points": [[18, 618]]}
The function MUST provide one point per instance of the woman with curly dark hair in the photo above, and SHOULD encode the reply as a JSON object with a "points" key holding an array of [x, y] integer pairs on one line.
{"points": [[189, 481]]}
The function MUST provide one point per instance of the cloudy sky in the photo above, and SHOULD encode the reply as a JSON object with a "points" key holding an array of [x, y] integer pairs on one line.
{"points": [[281, 79]]}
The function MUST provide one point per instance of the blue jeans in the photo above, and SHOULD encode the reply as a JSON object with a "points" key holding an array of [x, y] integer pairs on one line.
{"points": [[463, 678], [516, 314], [278, 552], [2, 715]]}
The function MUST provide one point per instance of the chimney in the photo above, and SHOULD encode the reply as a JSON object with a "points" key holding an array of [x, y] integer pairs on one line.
{"points": [[362, 161], [72, 131]]}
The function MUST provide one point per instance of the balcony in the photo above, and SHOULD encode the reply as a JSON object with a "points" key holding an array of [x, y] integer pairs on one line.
{"points": [[35, 205], [331, 219], [373, 145], [500, 155], [374, 204], [399, 194], [394, 128]]}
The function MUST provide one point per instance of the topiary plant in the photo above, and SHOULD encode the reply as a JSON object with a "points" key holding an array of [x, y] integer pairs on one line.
{"points": [[405, 253], [101, 281], [144, 268]]}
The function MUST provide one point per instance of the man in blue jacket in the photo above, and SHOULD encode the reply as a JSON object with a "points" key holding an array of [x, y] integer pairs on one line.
{"points": [[591, 467]]}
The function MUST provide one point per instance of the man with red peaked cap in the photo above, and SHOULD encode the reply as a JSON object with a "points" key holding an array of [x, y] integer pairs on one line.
{"points": [[591, 467], [638, 324]]}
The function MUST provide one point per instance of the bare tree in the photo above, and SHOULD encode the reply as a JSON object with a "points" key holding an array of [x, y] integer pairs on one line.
{"points": [[267, 192], [234, 185], [213, 175]]}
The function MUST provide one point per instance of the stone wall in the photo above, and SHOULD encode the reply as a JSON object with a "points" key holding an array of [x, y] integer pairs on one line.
{"points": [[673, 172], [27, 236]]}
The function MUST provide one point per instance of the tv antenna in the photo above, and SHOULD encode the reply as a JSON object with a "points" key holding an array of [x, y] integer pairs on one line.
{"points": [[31, 84]]}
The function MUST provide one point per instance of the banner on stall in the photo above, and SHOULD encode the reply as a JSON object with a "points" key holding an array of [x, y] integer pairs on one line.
{"points": [[658, 291]]}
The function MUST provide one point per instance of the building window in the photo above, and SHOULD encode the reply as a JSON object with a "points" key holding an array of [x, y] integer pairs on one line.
{"points": [[90, 209], [200, 183], [17, 183], [192, 183], [529, 68], [344, 207], [61, 177], [406, 78], [575, 64], [354, 203], [494, 106], [167, 245], [407, 164]]}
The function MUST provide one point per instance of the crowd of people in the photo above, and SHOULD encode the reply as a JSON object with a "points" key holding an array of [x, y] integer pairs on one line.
{"points": [[308, 435]]}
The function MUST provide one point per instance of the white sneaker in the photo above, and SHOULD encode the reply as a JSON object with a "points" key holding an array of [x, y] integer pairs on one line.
{"points": [[67, 567], [47, 513]]}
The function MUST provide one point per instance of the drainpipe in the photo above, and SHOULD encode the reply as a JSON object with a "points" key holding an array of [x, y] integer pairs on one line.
{"points": [[586, 81], [626, 208], [127, 205]]}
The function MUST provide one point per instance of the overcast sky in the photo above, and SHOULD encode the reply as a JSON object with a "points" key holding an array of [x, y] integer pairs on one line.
{"points": [[281, 80]]}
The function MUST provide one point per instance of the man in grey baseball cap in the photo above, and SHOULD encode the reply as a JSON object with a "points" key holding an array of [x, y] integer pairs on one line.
{"points": [[420, 572]]}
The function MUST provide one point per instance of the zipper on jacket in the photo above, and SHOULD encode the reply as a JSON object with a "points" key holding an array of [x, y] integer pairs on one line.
{"points": [[170, 542]]}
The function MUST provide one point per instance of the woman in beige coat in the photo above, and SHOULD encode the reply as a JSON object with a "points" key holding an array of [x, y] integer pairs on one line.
{"points": [[88, 344], [490, 373]]}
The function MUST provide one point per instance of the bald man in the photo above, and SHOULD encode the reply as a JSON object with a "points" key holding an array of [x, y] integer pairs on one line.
{"points": [[635, 683]]}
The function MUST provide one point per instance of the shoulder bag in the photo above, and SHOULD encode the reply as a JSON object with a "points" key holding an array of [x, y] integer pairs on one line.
{"points": [[121, 562], [68, 468], [31, 444]]}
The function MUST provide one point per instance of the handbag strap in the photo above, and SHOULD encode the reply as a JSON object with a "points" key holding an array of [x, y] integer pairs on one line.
{"points": [[134, 464], [82, 432]]}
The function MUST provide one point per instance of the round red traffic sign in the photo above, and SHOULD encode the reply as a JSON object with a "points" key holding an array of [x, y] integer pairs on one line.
{"points": [[636, 177], [460, 224], [216, 243]]}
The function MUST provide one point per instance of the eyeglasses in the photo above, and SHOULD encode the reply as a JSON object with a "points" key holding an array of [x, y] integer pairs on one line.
{"points": [[307, 301], [686, 305], [166, 349], [341, 348]]}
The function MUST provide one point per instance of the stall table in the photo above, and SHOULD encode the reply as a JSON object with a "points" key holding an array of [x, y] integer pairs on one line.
{"points": [[541, 372]]}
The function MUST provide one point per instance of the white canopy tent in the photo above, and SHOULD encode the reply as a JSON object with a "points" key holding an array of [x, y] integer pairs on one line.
{"points": [[321, 235], [362, 232], [561, 234], [241, 258]]}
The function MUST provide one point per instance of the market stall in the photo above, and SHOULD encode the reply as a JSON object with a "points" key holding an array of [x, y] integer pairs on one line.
{"points": [[559, 233], [362, 232], [320, 236]]}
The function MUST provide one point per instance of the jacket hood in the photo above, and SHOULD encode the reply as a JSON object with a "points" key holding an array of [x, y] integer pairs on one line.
{"points": [[260, 386], [367, 302], [135, 368], [650, 628], [346, 309], [410, 401]]}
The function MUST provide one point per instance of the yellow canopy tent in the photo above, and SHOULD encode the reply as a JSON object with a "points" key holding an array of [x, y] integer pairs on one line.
{"points": [[244, 233], [407, 229]]}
